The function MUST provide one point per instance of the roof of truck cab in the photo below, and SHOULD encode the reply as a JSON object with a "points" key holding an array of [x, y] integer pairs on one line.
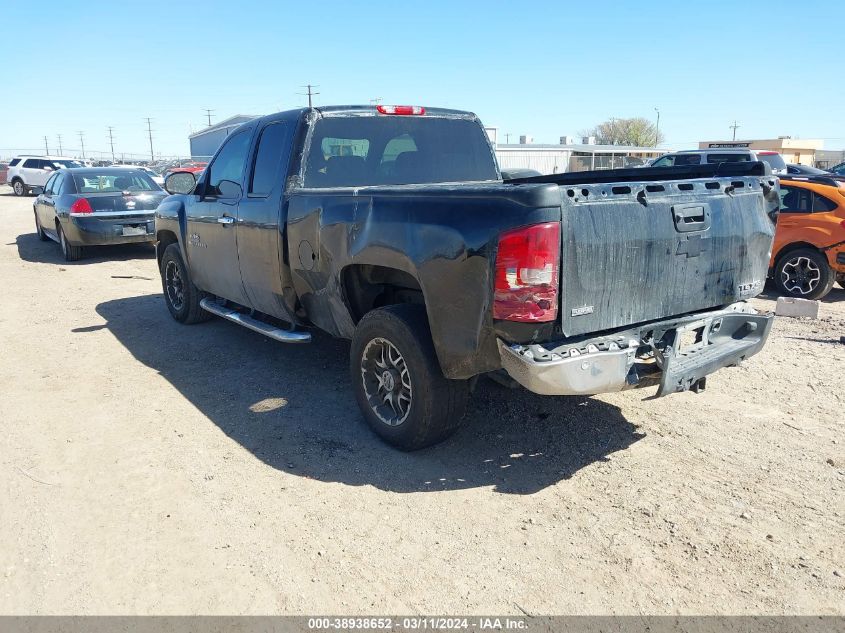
{"points": [[362, 109]]}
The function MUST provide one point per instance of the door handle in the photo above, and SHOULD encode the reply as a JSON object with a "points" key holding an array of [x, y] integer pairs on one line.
{"points": [[225, 219]]}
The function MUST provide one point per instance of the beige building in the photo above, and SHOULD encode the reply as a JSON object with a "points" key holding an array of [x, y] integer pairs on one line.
{"points": [[799, 151]]}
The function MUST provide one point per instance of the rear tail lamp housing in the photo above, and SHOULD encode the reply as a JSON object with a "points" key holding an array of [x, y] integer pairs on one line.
{"points": [[400, 109], [81, 207], [527, 274]]}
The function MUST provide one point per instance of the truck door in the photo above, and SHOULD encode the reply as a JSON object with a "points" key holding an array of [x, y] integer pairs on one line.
{"points": [[261, 224], [212, 216]]}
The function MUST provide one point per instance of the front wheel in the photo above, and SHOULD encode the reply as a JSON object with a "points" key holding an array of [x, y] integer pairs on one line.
{"points": [[804, 273], [180, 294], [398, 384]]}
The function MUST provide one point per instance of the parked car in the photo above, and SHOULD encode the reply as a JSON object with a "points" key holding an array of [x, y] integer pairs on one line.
{"points": [[191, 168], [26, 172], [838, 169], [805, 170], [4, 171], [391, 226], [715, 156], [809, 251], [85, 206]]}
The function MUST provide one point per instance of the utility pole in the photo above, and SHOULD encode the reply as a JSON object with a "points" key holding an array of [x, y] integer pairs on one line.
{"points": [[208, 114], [59, 136], [150, 133], [46, 149], [310, 93], [733, 127], [376, 101], [82, 142], [657, 129], [507, 138], [111, 141]]}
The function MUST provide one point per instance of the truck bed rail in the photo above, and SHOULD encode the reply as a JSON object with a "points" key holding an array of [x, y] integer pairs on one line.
{"points": [[635, 174]]}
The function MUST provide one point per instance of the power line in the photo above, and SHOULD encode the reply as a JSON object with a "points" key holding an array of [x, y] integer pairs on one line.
{"points": [[150, 132], [111, 142], [310, 93], [733, 127], [82, 142], [208, 114]]}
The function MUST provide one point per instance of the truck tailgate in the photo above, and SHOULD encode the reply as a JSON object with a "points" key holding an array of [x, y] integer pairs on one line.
{"points": [[639, 251]]}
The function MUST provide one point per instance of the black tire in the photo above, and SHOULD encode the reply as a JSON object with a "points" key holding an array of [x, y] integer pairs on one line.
{"points": [[41, 234], [180, 294], [841, 280], [71, 253], [19, 188], [804, 273], [435, 404]]}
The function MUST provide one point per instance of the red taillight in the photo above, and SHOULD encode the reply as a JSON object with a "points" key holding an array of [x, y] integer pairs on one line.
{"points": [[527, 266], [385, 109], [81, 207]]}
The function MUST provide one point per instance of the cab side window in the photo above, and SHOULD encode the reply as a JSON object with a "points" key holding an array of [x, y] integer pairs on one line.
{"points": [[687, 159], [57, 184], [666, 161], [48, 187], [822, 204], [228, 166], [795, 199]]}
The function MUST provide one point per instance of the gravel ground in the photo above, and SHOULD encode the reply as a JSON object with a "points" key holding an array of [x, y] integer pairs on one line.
{"points": [[152, 468]]}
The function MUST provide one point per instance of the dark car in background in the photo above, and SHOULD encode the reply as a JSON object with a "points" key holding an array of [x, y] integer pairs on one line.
{"points": [[95, 206], [839, 169], [805, 170]]}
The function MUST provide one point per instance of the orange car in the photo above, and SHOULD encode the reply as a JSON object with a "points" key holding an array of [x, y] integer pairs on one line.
{"points": [[809, 250]]}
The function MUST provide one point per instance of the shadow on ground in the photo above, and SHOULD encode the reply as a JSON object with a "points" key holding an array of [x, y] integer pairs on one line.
{"points": [[31, 249], [293, 408]]}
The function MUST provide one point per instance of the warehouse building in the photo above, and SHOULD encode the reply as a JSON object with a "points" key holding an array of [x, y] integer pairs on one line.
{"points": [[205, 142], [568, 155]]}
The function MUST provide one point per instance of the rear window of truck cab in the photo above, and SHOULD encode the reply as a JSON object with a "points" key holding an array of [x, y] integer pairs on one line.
{"points": [[397, 150]]}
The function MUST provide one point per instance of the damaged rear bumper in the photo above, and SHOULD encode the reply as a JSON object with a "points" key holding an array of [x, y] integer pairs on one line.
{"points": [[676, 354]]}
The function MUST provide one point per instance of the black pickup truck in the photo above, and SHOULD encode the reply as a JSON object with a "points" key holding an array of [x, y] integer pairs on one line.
{"points": [[391, 226]]}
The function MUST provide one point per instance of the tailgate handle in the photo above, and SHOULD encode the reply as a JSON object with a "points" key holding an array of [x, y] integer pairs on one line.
{"points": [[691, 217]]}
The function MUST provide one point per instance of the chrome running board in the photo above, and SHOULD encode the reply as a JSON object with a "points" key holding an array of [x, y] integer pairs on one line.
{"points": [[275, 333]]}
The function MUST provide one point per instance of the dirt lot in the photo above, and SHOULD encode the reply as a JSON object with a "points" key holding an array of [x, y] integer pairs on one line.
{"points": [[149, 467]]}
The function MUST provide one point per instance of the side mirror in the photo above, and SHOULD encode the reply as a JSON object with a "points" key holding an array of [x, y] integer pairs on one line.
{"points": [[36, 190], [182, 182], [47, 168]]}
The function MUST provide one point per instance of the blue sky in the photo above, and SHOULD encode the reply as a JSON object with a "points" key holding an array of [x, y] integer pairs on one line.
{"points": [[542, 69]]}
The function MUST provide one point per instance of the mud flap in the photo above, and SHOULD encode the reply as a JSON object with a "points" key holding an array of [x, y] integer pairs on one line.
{"points": [[718, 342]]}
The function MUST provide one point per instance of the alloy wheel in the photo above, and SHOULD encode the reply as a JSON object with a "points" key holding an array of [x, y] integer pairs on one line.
{"points": [[387, 382], [800, 275], [175, 286]]}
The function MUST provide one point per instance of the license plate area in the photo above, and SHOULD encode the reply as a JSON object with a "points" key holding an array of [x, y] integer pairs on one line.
{"points": [[134, 229]]}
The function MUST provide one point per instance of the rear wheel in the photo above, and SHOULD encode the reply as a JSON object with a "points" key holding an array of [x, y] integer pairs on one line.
{"points": [[804, 273], [398, 384], [180, 294], [41, 234], [72, 253], [19, 188]]}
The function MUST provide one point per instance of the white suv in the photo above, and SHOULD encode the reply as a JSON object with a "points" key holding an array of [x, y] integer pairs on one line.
{"points": [[721, 155], [26, 172]]}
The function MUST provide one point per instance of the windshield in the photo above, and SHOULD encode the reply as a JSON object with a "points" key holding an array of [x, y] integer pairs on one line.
{"points": [[397, 150], [114, 183], [66, 163]]}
